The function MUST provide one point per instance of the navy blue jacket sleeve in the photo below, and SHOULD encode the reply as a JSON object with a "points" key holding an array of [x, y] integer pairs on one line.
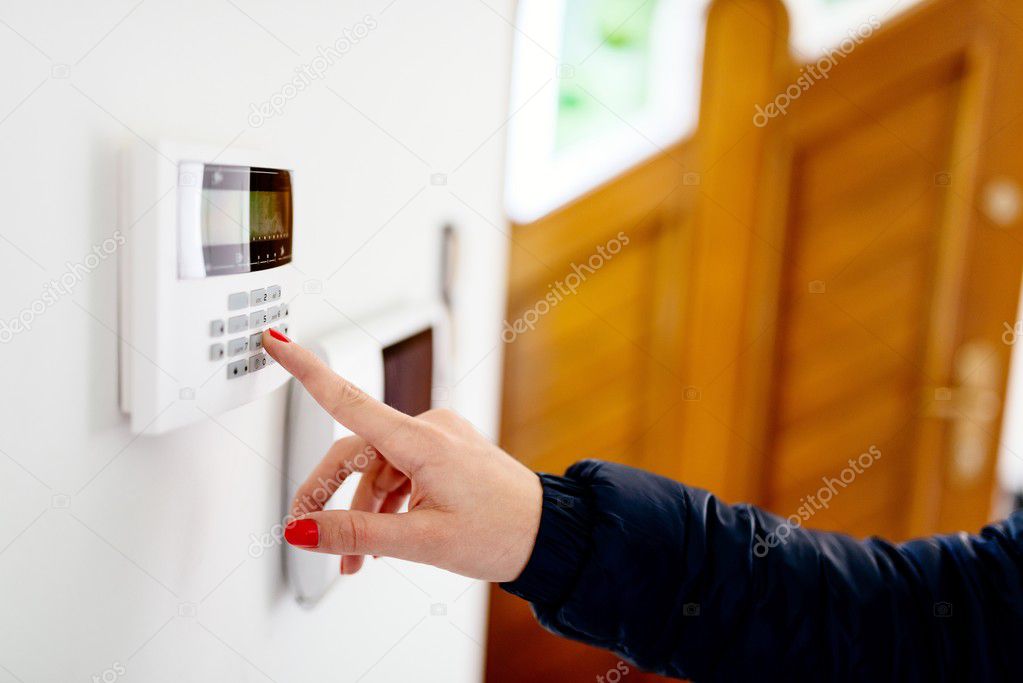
{"points": [[677, 582]]}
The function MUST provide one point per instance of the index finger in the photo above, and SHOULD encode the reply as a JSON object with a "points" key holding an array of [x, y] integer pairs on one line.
{"points": [[377, 423]]}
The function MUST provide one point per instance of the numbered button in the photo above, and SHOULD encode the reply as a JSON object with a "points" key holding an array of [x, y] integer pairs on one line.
{"points": [[257, 297], [284, 310], [216, 352], [236, 346], [273, 314], [237, 369], [237, 324], [273, 292], [216, 328], [256, 341], [237, 301], [257, 319], [257, 362]]}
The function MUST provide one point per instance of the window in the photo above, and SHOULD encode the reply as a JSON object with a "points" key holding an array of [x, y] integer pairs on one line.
{"points": [[820, 25], [597, 86]]}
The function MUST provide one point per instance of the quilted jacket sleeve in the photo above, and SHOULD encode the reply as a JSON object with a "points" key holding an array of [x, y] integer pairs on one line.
{"points": [[682, 584]]}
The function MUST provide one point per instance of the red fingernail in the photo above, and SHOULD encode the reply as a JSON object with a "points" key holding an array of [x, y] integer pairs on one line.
{"points": [[303, 533], [278, 336]]}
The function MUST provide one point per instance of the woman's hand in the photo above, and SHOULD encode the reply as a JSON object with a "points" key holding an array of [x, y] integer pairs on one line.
{"points": [[473, 510]]}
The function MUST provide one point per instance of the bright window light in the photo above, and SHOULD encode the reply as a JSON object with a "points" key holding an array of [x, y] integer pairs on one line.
{"points": [[597, 86], [820, 25]]}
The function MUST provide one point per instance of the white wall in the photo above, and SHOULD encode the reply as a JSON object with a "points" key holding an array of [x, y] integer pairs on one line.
{"points": [[156, 527]]}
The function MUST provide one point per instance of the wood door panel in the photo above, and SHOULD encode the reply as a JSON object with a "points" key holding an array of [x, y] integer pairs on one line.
{"points": [[909, 132], [547, 391], [855, 305], [844, 244], [820, 445], [574, 390], [819, 324], [840, 375]]}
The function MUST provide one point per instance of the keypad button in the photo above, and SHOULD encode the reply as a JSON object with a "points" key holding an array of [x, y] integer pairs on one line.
{"points": [[284, 310], [257, 297], [216, 328], [273, 314], [256, 341], [237, 368], [237, 324], [236, 346], [257, 362], [237, 301], [258, 318], [216, 351], [273, 292], [283, 329]]}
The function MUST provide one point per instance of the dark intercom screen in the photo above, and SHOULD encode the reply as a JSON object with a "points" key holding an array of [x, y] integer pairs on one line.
{"points": [[408, 374]]}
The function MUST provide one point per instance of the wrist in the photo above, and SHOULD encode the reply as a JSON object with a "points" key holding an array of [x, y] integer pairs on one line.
{"points": [[562, 541]]}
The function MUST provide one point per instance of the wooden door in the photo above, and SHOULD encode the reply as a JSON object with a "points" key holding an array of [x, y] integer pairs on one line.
{"points": [[795, 295], [896, 272]]}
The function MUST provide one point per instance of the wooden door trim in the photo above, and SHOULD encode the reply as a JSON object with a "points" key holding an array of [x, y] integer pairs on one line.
{"points": [[726, 340]]}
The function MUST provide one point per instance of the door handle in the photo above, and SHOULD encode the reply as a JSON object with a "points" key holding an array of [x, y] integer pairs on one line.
{"points": [[971, 406]]}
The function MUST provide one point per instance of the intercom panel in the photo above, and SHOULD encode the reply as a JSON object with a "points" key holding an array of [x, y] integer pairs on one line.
{"points": [[400, 356], [209, 237]]}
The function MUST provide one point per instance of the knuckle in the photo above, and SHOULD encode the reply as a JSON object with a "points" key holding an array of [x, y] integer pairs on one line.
{"points": [[444, 416], [346, 395], [433, 539], [433, 438], [351, 533], [379, 486]]}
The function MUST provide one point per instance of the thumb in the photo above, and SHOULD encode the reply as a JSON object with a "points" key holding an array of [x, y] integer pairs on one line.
{"points": [[354, 532]]}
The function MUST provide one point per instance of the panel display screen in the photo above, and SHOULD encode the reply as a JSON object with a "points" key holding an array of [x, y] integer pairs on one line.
{"points": [[408, 374], [246, 218]]}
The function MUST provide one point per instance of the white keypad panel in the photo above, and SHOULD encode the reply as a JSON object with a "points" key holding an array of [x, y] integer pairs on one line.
{"points": [[245, 329]]}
